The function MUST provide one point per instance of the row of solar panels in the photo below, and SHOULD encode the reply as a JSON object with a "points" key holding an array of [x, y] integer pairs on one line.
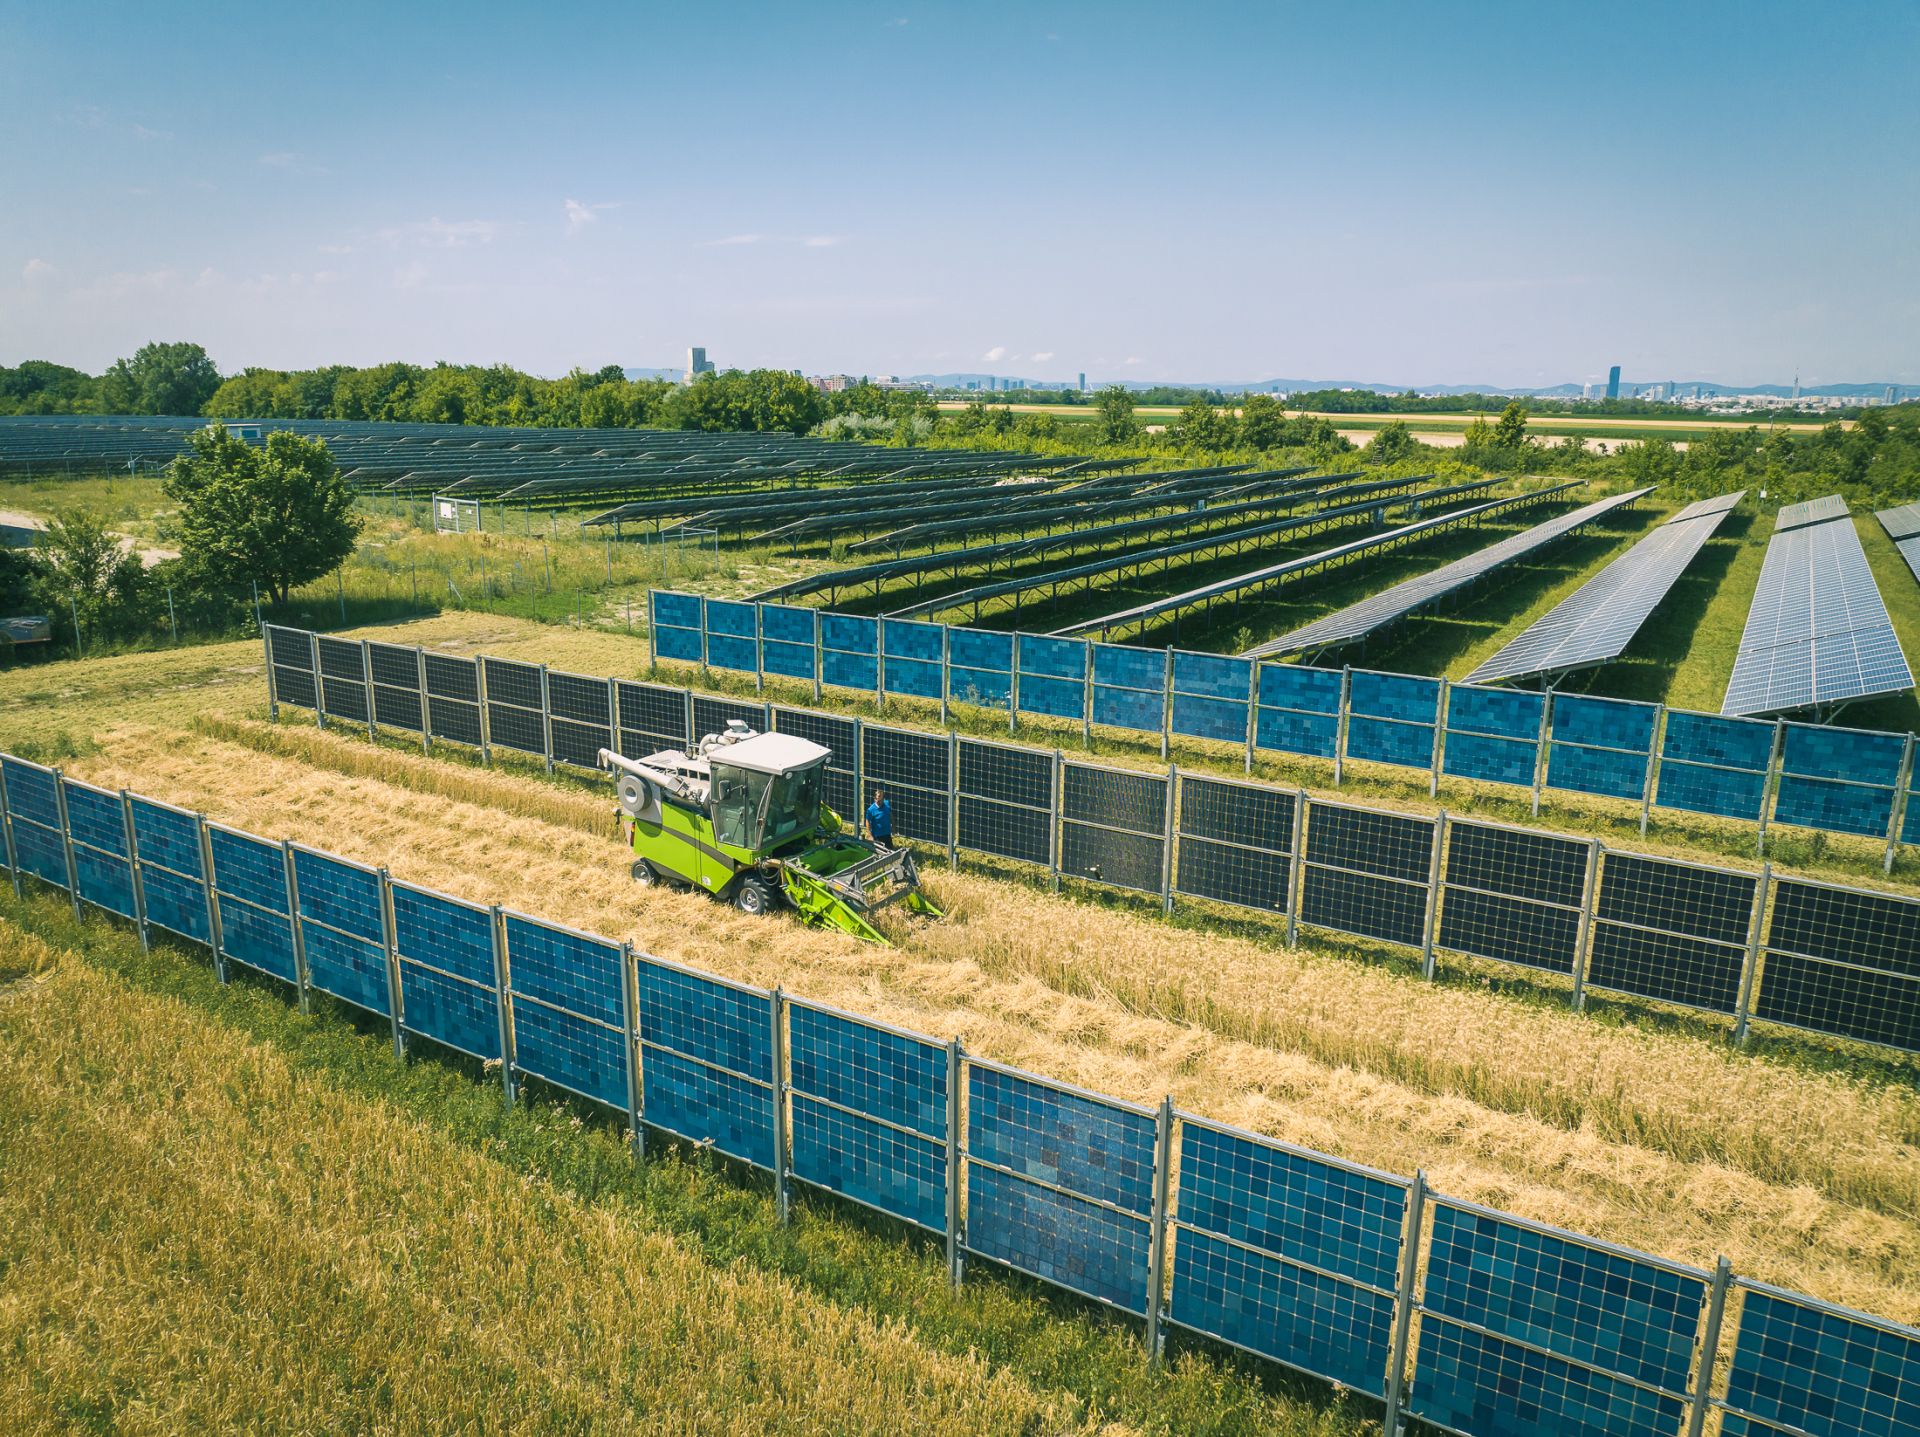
{"points": [[1903, 527], [1818, 635], [1287, 1253]]}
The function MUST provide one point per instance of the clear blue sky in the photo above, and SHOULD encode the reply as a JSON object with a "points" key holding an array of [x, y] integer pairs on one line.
{"points": [[1402, 192]]}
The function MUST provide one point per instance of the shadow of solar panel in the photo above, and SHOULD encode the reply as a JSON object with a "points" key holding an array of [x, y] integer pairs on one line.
{"points": [[1364, 905], [394, 666], [349, 968], [289, 648], [166, 837], [342, 698], [95, 818], [652, 717], [340, 658], [1387, 741], [1383, 843], [680, 611], [104, 880], [571, 1052], [1611, 1311], [706, 1020], [1666, 966], [1083, 1144], [579, 744], [579, 698], [711, 715], [1303, 1319], [1807, 1369], [452, 678], [459, 1015], [396, 708], [1077, 1245], [522, 730], [871, 1163], [1489, 760], [1136, 802], [565, 969], [511, 682], [258, 939], [1510, 930], [294, 686], [1675, 897], [457, 721], [1468, 1382], [175, 903]]}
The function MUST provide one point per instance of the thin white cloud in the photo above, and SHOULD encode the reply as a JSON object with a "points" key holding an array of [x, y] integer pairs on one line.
{"points": [[997, 353], [437, 233], [820, 241], [279, 159], [1135, 359], [899, 24], [335, 249], [579, 216], [121, 283], [141, 132], [411, 276], [37, 269], [1041, 356]]}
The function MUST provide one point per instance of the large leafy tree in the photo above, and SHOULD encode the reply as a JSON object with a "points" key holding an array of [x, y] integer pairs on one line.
{"points": [[161, 379], [1117, 424], [279, 516]]}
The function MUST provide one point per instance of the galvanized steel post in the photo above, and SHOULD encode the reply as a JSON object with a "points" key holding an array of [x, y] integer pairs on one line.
{"points": [[132, 840], [1157, 1248], [1901, 798], [319, 689], [366, 682], [426, 699], [1582, 942], [503, 1011], [1749, 971], [1340, 724], [1655, 738], [759, 652], [6, 826], [273, 689], [953, 799], [1439, 740], [1775, 756], [946, 671], [1542, 749], [1433, 893], [630, 1040], [214, 935], [486, 725], [1166, 842], [546, 718], [1702, 1398], [66, 839], [956, 1162], [1295, 863], [389, 944], [1403, 1300], [1056, 837], [293, 926], [782, 1202], [1166, 703]]}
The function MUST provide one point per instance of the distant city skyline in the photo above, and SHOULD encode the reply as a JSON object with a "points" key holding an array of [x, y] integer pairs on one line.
{"points": [[1511, 195]]}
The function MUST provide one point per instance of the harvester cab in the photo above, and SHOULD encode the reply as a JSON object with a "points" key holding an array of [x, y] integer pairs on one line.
{"points": [[743, 817]]}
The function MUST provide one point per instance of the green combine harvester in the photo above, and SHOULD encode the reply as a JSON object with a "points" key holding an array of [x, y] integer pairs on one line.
{"points": [[742, 817]]}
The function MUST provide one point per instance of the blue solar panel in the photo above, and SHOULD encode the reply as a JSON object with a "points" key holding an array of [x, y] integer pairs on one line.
{"points": [[730, 635], [1129, 687], [166, 837], [1053, 676], [1075, 1244], [463, 1016], [1828, 1373], [1842, 780], [1083, 1144], [872, 1070], [980, 667], [260, 940], [1391, 718], [677, 625], [1715, 765], [708, 1105], [30, 793], [1471, 1383], [104, 880], [565, 969], [869, 1162], [707, 1020], [913, 653], [1499, 713], [582, 1056], [456, 938], [40, 851], [1386, 741], [1600, 745], [849, 652], [787, 641], [249, 868], [175, 903], [340, 895], [348, 968], [96, 818]]}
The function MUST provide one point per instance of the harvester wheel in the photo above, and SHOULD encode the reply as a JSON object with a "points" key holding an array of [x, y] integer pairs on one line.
{"points": [[643, 873], [754, 895]]}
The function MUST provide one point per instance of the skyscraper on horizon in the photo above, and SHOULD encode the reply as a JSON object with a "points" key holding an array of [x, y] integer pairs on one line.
{"points": [[1083, 381], [1613, 382], [697, 363]]}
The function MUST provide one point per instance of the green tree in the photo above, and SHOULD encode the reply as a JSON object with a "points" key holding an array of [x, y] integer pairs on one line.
{"points": [[84, 568], [1392, 441], [1200, 426], [278, 516], [1117, 424], [1510, 432], [161, 379], [1262, 421]]}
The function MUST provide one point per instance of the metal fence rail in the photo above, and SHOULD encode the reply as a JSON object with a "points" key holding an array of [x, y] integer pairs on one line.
{"points": [[1468, 1319], [1837, 780], [1628, 925]]}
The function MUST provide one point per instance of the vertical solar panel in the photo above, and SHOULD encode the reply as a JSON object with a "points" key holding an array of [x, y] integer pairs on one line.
{"points": [[172, 877], [1513, 895], [1113, 826], [850, 652], [712, 715], [1391, 718], [568, 1016], [678, 623], [732, 641], [448, 991], [1600, 745], [652, 717], [1366, 873], [516, 712], [787, 641], [1006, 801], [707, 1060], [1672, 931], [343, 929], [290, 652], [914, 768], [396, 686], [1287, 1254], [580, 709], [250, 884], [96, 822], [1493, 735], [1801, 1366], [1837, 779], [1210, 696], [1236, 843], [1129, 687], [1299, 710], [1843, 961], [1060, 1185], [1053, 676], [1715, 765], [453, 699], [980, 667], [343, 684], [33, 812], [915, 657], [869, 1113], [1525, 1330]]}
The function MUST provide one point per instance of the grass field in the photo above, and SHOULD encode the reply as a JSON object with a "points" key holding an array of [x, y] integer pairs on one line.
{"points": [[1802, 1163]]}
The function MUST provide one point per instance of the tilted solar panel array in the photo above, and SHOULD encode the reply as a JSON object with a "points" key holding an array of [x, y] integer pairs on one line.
{"points": [[1595, 624], [1818, 634], [1811, 511], [1356, 621], [1903, 527]]}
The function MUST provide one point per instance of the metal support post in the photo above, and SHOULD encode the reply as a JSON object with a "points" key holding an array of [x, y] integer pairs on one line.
{"points": [[759, 651], [1166, 842], [1295, 862], [1253, 709], [1013, 685], [214, 935], [366, 681], [1774, 756], [880, 665], [319, 687], [1055, 837], [782, 1202], [1157, 1250], [273, 689], [426, 699], [1433, 893], [293, 926], [816, 656], [630, 1040], [859, 773], [686, 708], [1403, 1300], [1702, 1398], [480, 693], [1901, 797], [956, 1182], [946, 673], [1543, 749], [132, 840], [66, 839], [1750, 970], [953, 799], [1654, 740], [6, 827], [546, 719], [503, 1009], [1583, 936], [1166, 703], [1439, 740], [613, 714], [1340, 724], [389, 943]]}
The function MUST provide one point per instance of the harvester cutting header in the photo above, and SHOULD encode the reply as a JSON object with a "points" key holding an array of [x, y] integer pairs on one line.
{"points": [[743, 817]]}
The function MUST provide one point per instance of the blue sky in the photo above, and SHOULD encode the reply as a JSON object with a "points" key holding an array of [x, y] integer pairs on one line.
{"points": [[1409, 193]]}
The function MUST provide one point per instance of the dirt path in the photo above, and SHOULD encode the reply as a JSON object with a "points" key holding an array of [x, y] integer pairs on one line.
{"points": [[150, 554]]}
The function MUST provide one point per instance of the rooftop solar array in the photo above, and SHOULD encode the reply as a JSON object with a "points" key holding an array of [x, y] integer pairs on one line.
{"points": [[1356, 621], [1595, 624], [1903, 527], [1811, 511], [1818, 634]]}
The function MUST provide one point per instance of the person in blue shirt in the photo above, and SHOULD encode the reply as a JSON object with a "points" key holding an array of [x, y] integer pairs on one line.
{"points": [[880, 819]]}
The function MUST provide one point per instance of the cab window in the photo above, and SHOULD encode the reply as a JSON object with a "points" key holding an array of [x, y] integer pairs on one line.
{"points": [[737, 794]]}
